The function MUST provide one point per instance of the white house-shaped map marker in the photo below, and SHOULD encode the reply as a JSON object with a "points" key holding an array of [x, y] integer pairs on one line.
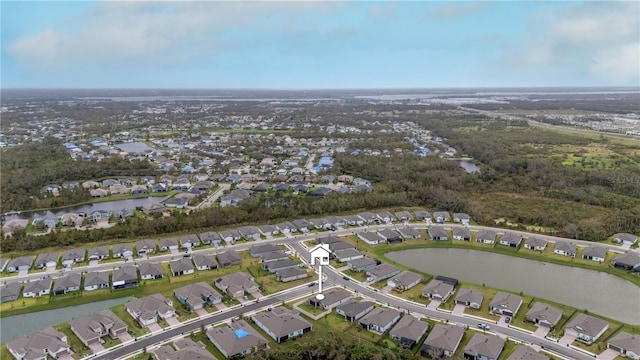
{"points": [[320, 256]]}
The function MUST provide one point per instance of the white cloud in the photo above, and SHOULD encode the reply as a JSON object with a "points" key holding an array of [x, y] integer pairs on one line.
{"points": [[618, 66], [455, 10]]}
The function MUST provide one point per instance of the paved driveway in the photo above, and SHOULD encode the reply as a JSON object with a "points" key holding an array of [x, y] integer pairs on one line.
{"points": [[125, 337], [65, 357], [221, 306], [458, 309], [96, 347], [567, 340], [608, 354], [154, 327], [173, 321], [201, 312], [434, 304], [541, 331]]}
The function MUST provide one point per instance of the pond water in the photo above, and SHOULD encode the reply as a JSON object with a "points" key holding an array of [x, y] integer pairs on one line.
{"points": [[595, 291], [115, 205], [15, 326]]}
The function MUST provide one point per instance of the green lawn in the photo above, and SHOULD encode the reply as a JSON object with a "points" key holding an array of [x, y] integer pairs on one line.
{"points": [[509, 348], [311, 309], [78, 348], [483, 312], [412, 294], [134, 328], [359, 276]]}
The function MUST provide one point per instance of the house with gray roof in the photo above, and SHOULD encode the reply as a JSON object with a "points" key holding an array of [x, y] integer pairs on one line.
{"points": [[404, 215], [441, 216], [626, 344], [236, 339], [586, 328], [47, 260], [273, 256], [524, 352], [94, 280], [151, 271], [279, 265], [629, 261], [625, 238], [183, 349], [20, 264], [443, 340], [257, 250], [73, 256], [408, 331], [380, 319], [438, 290], [354, 309], [354, 220], [594, 253], [565, 248], [390, 236], [236, 284], [486, 236], [210, 238], [469, 297], [249, 232], [195, 296], [347, 255], [37, 288], [228, 258], [66, 284], [230, 236], [505, 304], [92, 328], [268, 230], [182, 266], [39, 345], [291, 274], [405, 280], [408, 232], [122, 251], [422, 215], [461, 218], [286, 227], [147, 309], [205, 261], [461, 233], [332, 298], [362, 264], [535, 243], [510, 239], [370, 238], [145, 247], [124, 278], [484, 347], [98, 253], [382, 272], [10, 292], [168, 244], [369, 217], [438, 233], [281, 323], [340, 245], [544, 314]]}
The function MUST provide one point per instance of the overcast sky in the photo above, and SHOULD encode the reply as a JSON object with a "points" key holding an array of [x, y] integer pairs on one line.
{"points": [[304, 44]]}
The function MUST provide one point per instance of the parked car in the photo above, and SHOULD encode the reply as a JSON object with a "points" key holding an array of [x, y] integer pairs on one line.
{"points": [[483, 326]]}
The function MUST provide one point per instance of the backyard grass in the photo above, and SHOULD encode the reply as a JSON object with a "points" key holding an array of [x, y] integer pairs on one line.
{"points": [[451, 301], [311, 309], [134, 328], [359, 276], [270, 285], [412, 294], [78, 348], [509, 348], [483, 312], [4, 352]]}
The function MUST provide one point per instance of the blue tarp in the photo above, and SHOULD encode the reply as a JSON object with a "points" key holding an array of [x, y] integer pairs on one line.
{"points": [[240, 333]]}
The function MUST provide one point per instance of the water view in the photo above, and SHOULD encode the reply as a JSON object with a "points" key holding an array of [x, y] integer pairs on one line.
{"points": [[580, 288]]}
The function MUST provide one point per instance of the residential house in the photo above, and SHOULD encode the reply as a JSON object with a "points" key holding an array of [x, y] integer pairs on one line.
{"points": [[586, 328], [10, 292], [441, 216], [369, 218], [565, 248], [340, 245], [99, 215], [249, 232], [182, 266], [335, 221], [594, 253], [189, 241], [147, 309], [97, 193], [461, 233], [210, 238], [408, 232], [362, 264], [629, 261], [195, 296], [544, 314], [279, 265], [88, 185], [370, 238], [438, 233], [160, 187], [438, 290], [123, 251], [39, 345], [469, 297], [236, 339], [286, 227], [145, 247], [124, 278], [382, 272], [354, 309], [390, 236], [117, 189], [405, 280], [332, 298], [257, 250], [47, 260], [37, 288], [137, 190], [228, 258], [386, 217], [94, 280], [268, 230], [273, 256], [380, 319], [626, 344], [92, 328], [185, 349], [154, 208], [625, 238], [408, 331], [354, 220], [524, 352], [151, 271], [20, 264], [302, 225], [178, 202], [347, 255], [461, 218], [404, 216], [535, 243], [236, 284], [505, 304], [168, 244], [422, 215], [73, 256], [484, 347], [230, 236], [291, 274], [511, 239], [281, 323], [98, 253], [66, 284], [486, 236], [328, 240], [443, 340], [205, 261]]}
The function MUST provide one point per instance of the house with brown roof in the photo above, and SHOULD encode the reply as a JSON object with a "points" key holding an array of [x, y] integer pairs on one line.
{"points": [[443, 340], [484, 347], [281, 323], [92, 328]]}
